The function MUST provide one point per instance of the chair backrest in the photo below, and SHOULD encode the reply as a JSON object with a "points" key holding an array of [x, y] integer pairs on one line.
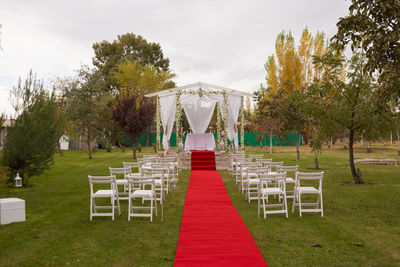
{"points": [[277, 179], [273, 164], [309, 176], [131, 165], [140, 182], [256, 156], [111, 180], [246, 165], [287, 168], [124, 171]]}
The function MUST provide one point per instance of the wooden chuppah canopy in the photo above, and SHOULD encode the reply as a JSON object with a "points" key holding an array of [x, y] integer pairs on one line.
{"points": [[200, 89]]}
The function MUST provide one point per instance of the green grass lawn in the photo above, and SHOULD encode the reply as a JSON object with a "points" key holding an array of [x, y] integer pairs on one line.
{"points": [[58, 230]]}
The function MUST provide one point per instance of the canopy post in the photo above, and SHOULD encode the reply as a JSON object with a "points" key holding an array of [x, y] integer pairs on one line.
{"points": [[158, 123], [226, 128], [178, 114], [218, 123], [242, 124]]}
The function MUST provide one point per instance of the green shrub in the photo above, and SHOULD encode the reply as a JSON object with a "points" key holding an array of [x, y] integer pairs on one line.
{"points": [[139, 148]]}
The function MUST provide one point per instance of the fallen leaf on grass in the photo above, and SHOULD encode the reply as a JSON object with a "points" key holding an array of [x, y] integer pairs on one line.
{"points": [[316, 245]]}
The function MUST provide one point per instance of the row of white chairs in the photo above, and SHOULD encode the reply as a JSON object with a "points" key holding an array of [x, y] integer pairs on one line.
{"points": [[259, 178], [149, 184]]}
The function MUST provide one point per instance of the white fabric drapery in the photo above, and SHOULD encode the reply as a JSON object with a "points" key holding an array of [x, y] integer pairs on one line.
{"points": [[168, 109], [199, 110], [234, 103]]}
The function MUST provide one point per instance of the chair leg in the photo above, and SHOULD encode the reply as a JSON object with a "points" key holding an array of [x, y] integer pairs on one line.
{"points": [[294, 201], [263, 198], [285, 201], [91, 207], [322, 207], [129, 208], [112, 207], [300, 203], [151, 209]]}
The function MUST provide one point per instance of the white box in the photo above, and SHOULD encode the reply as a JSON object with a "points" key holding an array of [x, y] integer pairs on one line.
{"points": [[12, 210]]}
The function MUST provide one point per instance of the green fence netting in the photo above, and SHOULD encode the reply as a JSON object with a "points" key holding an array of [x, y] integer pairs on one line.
{"points": [[250, 139]]}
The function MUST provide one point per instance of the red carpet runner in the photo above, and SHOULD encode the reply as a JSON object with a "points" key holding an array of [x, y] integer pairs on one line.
{"points": [[212, 231], [203, 160]]}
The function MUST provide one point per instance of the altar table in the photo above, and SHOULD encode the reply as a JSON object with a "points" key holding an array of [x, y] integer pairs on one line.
{"points": [[200, 141]]}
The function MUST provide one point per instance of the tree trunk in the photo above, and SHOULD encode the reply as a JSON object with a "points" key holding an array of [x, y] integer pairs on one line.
{"points": [[148, 136], [398, 141], [316, 159], [369, 150], [134, 146], [88, 143], [344, 141], [298, 146], [356, 177], [271, 150], [391, 137]]}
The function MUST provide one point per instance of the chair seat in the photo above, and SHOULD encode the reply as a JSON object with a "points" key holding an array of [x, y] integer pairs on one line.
{"points": [[254, 181], [252, 174], [103, 193], [122, 182], [290, 180], [271, 190], [308, 190], [142, 193]]}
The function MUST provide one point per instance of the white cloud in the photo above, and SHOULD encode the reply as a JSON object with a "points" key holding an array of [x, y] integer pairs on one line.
{"points": [[222, 42]]}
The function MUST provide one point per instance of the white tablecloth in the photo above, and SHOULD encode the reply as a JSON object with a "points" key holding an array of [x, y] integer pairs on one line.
{"points": [[200, 142]]}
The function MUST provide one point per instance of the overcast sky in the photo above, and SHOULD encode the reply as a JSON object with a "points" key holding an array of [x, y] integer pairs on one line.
{"points": [[223, 42]]}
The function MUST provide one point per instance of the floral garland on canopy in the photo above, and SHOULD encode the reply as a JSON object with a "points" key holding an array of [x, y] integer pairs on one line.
{"points": [[242, 124], [178, 115], [218, 124], [158, 117], [225, 119]]}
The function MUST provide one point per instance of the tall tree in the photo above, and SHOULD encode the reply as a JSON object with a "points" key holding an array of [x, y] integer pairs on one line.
{"points": [[127, 47], [84, 105], [32, 141], [352, 104], [131, 117], [305, 52], [142, 79], [374, 25]]}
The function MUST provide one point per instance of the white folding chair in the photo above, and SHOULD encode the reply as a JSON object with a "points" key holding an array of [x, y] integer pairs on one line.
{"points": [[256, 156], [125, 172], [252, 182], [262, 161], [247, 171], [289, 180], [162, 171], [272, 185], [132, 165], [273, 165], [111, 192], [238, 169], [302, 188], [146, 192]]}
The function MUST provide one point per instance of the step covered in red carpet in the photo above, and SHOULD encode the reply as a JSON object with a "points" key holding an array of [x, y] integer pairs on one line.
{"points": [[203, 160]]}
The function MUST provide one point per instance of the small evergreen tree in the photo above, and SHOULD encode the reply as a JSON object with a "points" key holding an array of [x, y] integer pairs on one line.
{"points": [[32, 140]]}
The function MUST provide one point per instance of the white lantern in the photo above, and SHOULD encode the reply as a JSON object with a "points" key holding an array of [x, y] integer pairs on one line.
{"points": [[17, 181]]}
